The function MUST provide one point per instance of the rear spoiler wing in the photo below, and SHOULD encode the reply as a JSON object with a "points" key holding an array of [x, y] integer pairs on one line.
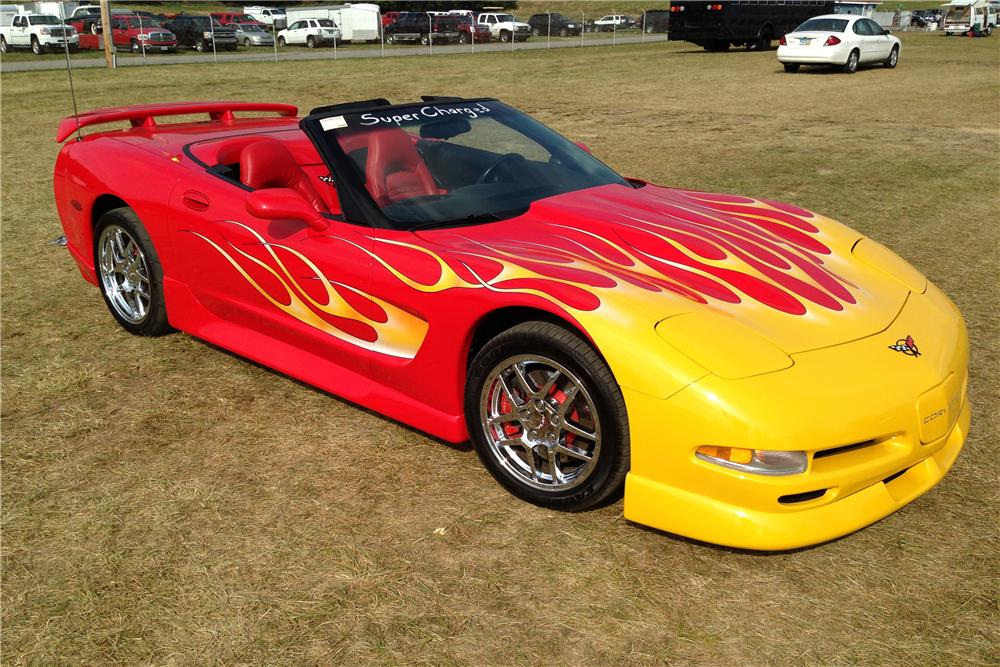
{"points": [[142, 115]]}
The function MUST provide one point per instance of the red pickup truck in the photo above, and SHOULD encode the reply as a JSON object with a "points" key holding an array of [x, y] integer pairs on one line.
{"points": [[134, 32]]}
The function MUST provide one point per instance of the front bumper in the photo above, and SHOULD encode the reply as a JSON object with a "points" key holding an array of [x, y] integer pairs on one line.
{"points": [[880, 428], [53, 42], [814, 55]]}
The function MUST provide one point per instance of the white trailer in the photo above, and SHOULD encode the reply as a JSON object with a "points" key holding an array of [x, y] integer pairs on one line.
{"points": [[358, 22], [963, 16]]}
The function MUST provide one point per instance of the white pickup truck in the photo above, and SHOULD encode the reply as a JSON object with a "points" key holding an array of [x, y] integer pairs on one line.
{"points": [[38, 32], [505, 27]]}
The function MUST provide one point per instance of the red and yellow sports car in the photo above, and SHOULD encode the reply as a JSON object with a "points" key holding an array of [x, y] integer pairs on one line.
{"points": [[749, 373]]}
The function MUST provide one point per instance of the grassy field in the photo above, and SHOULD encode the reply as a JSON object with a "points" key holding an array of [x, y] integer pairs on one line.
{"points": [[165, 502]]}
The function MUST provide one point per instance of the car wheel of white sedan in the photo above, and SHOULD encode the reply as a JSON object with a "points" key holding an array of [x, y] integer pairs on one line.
{"points": [[129, 273], [851, 66], [547, 418], [893, 58]]}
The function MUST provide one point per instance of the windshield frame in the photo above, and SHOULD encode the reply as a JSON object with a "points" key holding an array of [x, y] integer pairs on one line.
{"points": [[358, 206]]}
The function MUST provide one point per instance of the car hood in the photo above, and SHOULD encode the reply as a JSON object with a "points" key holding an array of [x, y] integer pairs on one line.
{"points": [[641, 255]]}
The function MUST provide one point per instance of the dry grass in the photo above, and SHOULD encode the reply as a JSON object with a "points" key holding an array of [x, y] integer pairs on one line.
{"points": [[164, 502]]}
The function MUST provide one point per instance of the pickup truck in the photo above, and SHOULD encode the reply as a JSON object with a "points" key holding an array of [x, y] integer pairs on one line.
{"points": [[505, 27], [422, 27], [38, 32], [139, 34]]}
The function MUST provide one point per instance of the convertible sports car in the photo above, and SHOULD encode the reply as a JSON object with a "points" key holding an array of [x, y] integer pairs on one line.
{"points": [[751, 373]]}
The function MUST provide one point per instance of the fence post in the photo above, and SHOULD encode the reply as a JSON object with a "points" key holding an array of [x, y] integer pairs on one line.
{"points": [[274, 41], [614, 27], [548, 43], [334, 43], [142, 42], [642, 38], [583, 25], [211, 28], [381, 35], [472, 31], [430, 34]]}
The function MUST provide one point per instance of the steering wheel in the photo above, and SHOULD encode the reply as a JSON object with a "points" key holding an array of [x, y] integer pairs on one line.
{"points": [[491, 171]]}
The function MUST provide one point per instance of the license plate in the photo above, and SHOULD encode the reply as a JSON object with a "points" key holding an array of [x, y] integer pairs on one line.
{"points": [[804, 41], [164, 48]]}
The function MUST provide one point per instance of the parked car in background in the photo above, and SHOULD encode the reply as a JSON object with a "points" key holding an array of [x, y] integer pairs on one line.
{"points": [[469, 28], [310, 33], [139, 33], [840, 40], [252, 34], [200, 31], [655, 20], [38, 32], [505, 27], [556, 24], [389, 18], [269, 16], [611, 22], [85, 19], [922, 18], [412, 27], [234, 19]]}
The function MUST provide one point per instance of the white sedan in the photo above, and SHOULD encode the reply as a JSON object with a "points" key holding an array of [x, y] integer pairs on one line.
{"points": [[842, 40]]}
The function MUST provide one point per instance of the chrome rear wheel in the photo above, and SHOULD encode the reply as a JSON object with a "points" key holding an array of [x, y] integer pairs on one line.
{"points": [[124, 274]]}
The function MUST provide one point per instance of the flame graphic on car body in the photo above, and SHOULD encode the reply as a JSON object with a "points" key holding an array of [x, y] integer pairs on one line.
{"points": [[705, 248]]}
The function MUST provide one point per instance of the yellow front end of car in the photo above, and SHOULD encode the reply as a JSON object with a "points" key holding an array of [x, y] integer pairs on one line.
{"points": [[833, 441]]}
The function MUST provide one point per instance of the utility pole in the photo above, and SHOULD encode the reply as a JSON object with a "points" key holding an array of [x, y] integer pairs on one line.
{"points": [[107, 34]]}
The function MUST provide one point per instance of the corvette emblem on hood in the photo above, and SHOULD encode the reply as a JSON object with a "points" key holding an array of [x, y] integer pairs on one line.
{"points": [[907, 346]]}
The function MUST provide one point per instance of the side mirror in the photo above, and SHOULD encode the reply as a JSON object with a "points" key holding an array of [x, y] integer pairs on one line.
{"points": [[582, 146], [284, 204], [886, 32]]}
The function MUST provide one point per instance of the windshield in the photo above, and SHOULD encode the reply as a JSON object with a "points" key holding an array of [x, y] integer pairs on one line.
{"points": [[440, 164], [142, 22], [251, 27], [823, 25], [503, 18], [45, 20]]}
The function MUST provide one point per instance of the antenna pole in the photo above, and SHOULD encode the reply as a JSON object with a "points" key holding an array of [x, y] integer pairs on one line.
{"points": [[108, 39], [69, 72]]}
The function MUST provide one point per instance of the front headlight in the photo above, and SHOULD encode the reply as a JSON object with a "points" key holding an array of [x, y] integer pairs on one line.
{"points": [[207, 34], [144, 36], [45, 31], [757, 461]]}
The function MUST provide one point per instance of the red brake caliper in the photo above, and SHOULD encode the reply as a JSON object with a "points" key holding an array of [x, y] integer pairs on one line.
{"points": [[510, 429]]}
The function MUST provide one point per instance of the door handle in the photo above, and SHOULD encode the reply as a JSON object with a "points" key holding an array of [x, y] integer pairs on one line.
{"points": [[195, 200]]}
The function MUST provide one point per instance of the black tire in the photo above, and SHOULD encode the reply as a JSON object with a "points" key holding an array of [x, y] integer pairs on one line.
{"points": [[282, 42], [93, 28], [200, 46], [762, 43], [893, 59], [791, 68], [536, 32], [390, 39], [563, 32], [135, 46], [504, 35], [4, 48], [649, 30], [425, 40], [246, 43], [311, 42], [851, 66], [155, 322], [463, 38], [36, 46], [609, 465]]}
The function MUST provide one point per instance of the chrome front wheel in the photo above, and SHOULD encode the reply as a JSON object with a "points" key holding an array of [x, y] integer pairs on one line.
{"points": [[540, 423], [547, 417]]}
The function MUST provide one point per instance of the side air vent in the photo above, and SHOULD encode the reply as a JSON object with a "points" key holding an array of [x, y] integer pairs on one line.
{"points": [[843, 450], [793, 498]]}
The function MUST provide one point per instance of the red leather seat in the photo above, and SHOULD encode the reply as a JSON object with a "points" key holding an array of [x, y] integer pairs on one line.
{"points": [[269, 164], [395, 171]]}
